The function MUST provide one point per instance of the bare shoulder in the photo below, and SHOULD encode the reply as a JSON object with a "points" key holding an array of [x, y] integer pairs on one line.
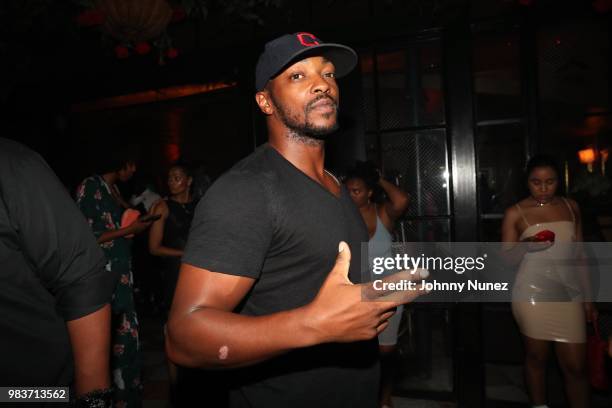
{"points": [[160, 207], [512, 227], [573, 204], [512, 213]]}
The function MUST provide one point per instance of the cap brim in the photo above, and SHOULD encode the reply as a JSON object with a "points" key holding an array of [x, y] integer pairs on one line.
{"points": [[344, 58]]}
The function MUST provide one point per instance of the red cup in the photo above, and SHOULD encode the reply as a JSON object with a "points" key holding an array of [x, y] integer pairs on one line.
{"points": [[128, 217], [544, 236]]}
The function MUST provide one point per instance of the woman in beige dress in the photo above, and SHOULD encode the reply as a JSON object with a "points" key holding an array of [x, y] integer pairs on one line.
{"points": [[549, 298]]}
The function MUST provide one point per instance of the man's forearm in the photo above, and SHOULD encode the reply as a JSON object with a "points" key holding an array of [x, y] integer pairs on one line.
{"points": [[211, 338], [90, 339]]}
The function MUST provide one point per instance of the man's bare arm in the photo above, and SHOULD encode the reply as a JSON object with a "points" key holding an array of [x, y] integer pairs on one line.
{"points": [[90, 339], [204, 332]]}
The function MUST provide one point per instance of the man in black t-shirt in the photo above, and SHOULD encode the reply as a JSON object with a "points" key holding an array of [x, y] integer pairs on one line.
{"points": [[255, 291], [55, 325]]}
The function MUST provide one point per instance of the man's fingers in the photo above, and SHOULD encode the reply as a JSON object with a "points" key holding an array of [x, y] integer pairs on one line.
{"points": [[381, 327], [392, 299], [414, 275], [403, 280], [400, 297], [388, 315]]}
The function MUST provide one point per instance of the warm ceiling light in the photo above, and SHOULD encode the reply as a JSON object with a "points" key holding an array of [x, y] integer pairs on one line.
{"points": [[586, 156]]}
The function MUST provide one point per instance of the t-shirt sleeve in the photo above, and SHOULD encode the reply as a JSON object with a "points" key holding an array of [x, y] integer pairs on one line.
{"points": [[232, 227], [54, 236]]}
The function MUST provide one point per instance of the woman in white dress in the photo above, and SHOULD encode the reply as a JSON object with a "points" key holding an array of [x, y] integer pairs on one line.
{"points": [[549, 298]]}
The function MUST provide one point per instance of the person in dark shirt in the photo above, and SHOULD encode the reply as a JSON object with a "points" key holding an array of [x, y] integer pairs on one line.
{"points": [[168, 236], [167, 239], [255, 291], [55, 290]]}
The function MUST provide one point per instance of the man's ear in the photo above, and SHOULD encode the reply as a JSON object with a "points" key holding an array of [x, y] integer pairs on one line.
{"points": [[263, 101]]}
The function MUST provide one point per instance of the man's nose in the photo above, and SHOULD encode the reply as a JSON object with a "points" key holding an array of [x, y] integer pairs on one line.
{"points": [[320, 85]]}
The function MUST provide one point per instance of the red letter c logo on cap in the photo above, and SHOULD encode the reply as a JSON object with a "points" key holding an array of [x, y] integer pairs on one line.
{"points": [[307, 39]]}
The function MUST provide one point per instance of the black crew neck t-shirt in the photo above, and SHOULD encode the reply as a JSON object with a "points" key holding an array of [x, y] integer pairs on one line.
{"points": [[51, 270], [267, 220]]}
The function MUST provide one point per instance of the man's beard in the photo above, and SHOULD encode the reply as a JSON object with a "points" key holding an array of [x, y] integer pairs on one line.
{"points": [[306, 132]]}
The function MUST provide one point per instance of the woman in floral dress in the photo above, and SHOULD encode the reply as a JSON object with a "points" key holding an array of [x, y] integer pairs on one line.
{"points": [[101, 203]]}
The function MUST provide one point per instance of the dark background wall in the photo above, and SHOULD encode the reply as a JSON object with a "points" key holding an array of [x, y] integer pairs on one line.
{"points": [[56, 67]]}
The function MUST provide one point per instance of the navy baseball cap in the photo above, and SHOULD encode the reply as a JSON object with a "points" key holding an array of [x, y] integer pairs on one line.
{"points": [[289, 48]]}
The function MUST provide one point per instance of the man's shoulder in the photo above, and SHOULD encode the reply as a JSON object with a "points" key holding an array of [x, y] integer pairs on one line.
{"points": [[12, 151], [257, 169], [21, 162], [8, 147], [260, 161]]}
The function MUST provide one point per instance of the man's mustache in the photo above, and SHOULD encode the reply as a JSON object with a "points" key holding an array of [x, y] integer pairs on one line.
{"points": [[318, 98]]}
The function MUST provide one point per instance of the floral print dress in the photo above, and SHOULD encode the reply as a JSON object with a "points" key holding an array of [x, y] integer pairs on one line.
{"points": [[103, 213]]}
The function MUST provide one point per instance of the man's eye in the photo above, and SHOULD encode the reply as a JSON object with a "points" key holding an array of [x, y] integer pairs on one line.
{"points": [[296, 76], [330, 75]]}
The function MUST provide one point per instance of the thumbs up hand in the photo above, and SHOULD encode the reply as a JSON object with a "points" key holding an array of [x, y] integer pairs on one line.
{"points": [[341, 311]]}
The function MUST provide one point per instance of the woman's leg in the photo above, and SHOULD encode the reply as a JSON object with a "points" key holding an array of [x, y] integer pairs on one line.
{"points": [[388, 365], [125, 361], [388, 357], [536, 359], [572, 359]]}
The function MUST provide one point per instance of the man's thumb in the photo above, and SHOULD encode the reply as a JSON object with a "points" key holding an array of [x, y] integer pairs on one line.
{"points": [[343, 260]]}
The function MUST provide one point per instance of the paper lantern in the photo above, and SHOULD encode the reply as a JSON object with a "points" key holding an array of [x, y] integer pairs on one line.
{"points": [[135, 21]]}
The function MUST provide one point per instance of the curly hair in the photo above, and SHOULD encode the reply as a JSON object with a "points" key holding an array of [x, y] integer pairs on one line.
{"points": [[544, 160], [117, 158], [182, 165], [368, 173]]}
